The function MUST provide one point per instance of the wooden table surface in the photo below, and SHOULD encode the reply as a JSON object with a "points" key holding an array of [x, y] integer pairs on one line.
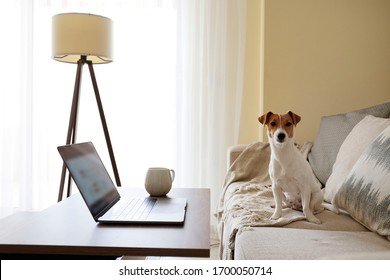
{"points": [[68, 229]]}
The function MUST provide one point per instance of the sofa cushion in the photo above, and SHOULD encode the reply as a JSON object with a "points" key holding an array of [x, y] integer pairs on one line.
{"points": [[350, 151], [365, 193], [332, 133], [330, 221], [273, 243]]}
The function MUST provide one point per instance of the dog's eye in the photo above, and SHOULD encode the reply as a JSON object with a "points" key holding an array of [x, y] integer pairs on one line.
{"points": [[288, 124], [273, 123]]}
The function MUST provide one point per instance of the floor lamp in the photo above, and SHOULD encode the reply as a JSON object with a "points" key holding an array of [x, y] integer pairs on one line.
{"points": [[83, 39]]}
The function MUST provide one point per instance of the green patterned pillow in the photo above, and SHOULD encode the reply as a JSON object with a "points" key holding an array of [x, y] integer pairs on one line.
{"points": [[365, 193]]}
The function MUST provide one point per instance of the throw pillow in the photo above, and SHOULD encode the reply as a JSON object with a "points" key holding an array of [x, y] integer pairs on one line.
{"points": [[351, 149], [365, 193], [333, 130]]}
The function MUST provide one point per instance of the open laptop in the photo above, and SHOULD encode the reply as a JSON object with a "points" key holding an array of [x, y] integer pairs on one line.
{"points": [[103, 199]]}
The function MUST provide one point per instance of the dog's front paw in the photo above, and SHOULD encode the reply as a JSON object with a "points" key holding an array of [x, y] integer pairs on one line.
{"points": [[275, 216], [314, 220]]}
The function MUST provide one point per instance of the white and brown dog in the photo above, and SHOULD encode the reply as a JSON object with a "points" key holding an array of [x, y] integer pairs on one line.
{"points": [[293, 180]]}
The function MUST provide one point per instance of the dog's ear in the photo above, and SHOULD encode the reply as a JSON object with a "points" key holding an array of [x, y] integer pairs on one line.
{"points": [[264, 119], [296, 119]]}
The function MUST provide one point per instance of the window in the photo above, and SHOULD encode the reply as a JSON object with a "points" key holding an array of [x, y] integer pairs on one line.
{"points": [[172, 96], [137, 91]]}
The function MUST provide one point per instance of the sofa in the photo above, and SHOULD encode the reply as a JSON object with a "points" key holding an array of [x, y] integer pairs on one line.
{"points": [[351, 159]]}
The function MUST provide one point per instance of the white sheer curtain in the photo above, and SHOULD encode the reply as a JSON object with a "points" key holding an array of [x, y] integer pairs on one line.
{"points": [[172, 96], [15, 105], [211, 50], [137, 91]]}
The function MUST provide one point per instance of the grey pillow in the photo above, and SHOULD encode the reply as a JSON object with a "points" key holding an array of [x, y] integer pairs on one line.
{"points": [[333, 131]]}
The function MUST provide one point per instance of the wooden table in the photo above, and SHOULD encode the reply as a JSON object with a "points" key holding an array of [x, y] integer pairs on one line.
{"points": [[67, 229]]}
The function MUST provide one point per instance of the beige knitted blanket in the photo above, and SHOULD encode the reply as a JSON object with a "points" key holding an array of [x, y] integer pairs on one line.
{"points": [[246, 198]]}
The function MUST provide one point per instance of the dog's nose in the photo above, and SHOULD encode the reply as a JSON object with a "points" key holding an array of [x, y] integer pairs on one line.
{"points": [[281, 137]]}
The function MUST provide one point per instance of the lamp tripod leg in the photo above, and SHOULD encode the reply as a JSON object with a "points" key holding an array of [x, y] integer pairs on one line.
{"points": [[104, 124], [71, 136]]}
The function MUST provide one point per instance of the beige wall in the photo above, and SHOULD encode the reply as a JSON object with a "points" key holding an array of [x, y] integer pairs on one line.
{"points": [[321, 57], [249, 127]]}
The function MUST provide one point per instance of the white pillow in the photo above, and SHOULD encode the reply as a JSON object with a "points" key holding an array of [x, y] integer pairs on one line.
{"points": [[353, 146]]}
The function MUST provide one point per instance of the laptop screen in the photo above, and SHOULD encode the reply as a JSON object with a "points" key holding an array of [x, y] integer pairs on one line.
{"points": [[90, 176]]}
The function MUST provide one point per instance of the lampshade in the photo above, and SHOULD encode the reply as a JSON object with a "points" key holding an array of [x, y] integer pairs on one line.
{"points": [[76, 34]]}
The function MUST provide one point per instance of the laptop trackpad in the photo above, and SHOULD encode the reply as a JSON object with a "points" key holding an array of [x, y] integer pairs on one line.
{"points": [[172, 209]]}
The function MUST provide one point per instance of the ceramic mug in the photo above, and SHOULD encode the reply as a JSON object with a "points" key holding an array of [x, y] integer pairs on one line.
{"points": [[158, 181]]}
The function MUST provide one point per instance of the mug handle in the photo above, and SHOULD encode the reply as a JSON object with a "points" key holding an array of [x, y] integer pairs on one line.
{"points": [[172, 174]]}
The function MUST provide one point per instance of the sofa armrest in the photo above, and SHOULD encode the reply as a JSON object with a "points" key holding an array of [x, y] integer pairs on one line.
{"points": [[233, 153]]}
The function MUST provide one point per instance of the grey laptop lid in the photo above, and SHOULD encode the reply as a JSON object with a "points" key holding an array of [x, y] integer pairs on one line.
{"points": [[101, 195]]}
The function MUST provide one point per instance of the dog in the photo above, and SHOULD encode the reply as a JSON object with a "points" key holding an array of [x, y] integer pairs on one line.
{"points": [[293, 181]]}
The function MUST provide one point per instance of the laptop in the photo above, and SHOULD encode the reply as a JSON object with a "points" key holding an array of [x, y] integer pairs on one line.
{"points": [[103, 199]]}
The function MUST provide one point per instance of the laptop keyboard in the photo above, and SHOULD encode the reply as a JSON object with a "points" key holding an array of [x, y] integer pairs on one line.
{"points": [[133, 208]]}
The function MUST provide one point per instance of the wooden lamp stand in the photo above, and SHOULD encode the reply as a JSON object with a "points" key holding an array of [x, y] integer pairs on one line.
{"points": [[72, 128]]}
